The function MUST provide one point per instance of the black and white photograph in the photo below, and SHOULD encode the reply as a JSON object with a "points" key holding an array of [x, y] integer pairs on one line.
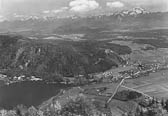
{"points": [[83, 57]]}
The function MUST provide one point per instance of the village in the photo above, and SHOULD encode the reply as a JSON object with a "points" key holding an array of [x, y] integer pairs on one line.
{"points": [[110, 76], [9, 80], [132, 71]]}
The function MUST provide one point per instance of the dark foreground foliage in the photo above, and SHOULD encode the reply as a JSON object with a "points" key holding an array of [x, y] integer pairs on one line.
{"points": [[79, 106]]}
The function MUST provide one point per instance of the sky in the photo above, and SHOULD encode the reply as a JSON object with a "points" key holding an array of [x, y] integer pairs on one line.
{"points": [[69, 7]]}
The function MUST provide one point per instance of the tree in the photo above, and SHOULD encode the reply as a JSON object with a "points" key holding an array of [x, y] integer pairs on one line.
{"points": [[163, 103], [166, 105], [151, 112], [130, 113], [21, 110], [124, 114], [138, 110], [141, 113], [153, 100], [156, 101]]}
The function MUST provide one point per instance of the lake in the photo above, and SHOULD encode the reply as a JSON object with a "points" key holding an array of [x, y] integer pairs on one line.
{"points": [[2, 83], [27, 93]]}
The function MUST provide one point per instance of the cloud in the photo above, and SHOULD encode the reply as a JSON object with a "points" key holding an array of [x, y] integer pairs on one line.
{"points": [[83, 5], [116, 4], [46, 11], [60, 10], [56, 11]]}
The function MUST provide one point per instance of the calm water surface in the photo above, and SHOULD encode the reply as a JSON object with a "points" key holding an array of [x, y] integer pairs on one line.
{"points": [[27, 93]]}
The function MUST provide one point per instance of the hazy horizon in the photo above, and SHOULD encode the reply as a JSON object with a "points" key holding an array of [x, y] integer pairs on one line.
{"points": [[79, 7]]}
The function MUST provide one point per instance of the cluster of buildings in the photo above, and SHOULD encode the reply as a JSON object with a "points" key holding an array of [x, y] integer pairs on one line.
{"points": [[8, 80], [113, 75], [133, 71], [117, 74]]}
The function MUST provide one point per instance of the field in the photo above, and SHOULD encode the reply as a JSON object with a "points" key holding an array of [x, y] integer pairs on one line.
{"points": [[144, 51], [156, 84]]}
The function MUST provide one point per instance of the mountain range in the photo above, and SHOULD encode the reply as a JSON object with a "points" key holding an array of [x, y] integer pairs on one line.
{"points": [[133, 12], [134, 19]]}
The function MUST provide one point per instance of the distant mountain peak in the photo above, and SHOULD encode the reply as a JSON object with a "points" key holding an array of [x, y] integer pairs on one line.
{"points": [[139, 10], [133, 12]]}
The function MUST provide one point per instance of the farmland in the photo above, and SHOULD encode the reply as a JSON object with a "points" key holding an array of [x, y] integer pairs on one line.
{"points": [[156, 84]]}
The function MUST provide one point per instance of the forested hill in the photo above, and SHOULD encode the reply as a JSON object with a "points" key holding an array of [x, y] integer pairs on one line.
{"points": [[53, 58]]}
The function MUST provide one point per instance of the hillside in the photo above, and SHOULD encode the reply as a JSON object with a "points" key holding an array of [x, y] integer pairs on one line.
{"points": [[51, 59]]}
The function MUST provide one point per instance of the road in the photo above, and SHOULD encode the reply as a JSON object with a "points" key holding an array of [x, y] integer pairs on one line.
{"points": [[120, 85], [122, 81]]}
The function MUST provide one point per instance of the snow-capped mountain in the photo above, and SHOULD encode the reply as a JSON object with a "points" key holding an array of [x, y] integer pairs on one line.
{"points": [[136, 18], [2, 18], [133, 12], [40, 18], [25, 17], [137, 11]]}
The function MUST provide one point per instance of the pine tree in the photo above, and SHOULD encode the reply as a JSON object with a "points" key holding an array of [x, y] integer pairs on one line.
{"points": [[153, 100], [138, 110], [166, 105], [156, 101], [141, 113], [162, 102]]}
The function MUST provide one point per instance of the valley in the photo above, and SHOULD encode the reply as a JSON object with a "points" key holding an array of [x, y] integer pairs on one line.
{"points": [[107, 65]]}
